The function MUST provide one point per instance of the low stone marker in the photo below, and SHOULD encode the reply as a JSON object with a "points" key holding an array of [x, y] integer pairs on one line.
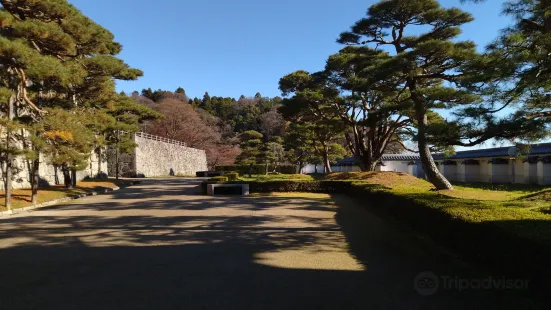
{"points": [[244, 188]]}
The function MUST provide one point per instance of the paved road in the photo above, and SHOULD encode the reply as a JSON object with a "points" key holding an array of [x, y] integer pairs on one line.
{"points": [[160, 245]]}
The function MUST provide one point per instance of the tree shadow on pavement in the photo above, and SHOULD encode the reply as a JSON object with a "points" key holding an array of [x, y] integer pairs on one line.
{"points": [[226, 253]]}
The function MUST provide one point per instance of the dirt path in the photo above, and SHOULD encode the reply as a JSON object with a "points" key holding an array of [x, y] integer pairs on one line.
{"points": [[159, 245]]}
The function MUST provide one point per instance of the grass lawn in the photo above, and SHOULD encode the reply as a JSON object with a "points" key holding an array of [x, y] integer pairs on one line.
{"points": [[475, 203], [22, 197], [276, 177]]}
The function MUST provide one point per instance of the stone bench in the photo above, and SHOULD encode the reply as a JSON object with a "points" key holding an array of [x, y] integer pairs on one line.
{"points": [[244, 188]]}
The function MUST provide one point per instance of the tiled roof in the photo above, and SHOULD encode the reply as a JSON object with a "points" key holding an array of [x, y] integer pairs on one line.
{"points": [[400, 157], [535, 149], [386, 157]]}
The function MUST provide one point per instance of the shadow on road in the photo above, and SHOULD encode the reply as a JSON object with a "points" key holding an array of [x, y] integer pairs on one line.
{"points": [[210, 255]]}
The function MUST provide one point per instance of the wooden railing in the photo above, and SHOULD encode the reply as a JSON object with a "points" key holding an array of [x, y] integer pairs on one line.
{"points": [[161, 139]]}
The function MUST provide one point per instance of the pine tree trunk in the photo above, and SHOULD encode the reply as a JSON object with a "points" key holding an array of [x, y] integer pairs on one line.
{"points": [[73, 178], [56, 175], [67, 176], [34, 181], [9, 158], [367, 164], [433, 174], [117, 163], [99, 176], [326, 162]]}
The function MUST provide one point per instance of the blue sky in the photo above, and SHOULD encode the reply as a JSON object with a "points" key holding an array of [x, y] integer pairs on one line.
{"points": [[229, 48]]}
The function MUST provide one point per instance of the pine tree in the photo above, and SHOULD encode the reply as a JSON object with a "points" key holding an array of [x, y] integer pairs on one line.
{"points": [[423, 63], [251, 149], [206, 103], [53, 57], [375, 111], [311, 104], [522, 67], [180, 90]]}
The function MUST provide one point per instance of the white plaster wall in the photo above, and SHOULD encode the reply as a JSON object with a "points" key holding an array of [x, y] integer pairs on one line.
{"points": [[500, 173], [519, 172], [544, 173], [310, 168], [395, 166], [472, 173], [460, 172], [450, 172], [533, 175]]}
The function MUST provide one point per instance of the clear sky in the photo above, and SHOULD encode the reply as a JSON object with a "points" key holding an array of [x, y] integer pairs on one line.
{"points": [[229, 48]]}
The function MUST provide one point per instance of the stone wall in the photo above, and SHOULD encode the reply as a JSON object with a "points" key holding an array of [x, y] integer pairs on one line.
{"points": [[159, 157], [49, 175]]}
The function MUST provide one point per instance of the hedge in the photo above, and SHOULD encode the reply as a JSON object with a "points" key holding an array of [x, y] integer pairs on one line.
{"points": [[204, 174], [485, 243], [232, 176], [258, 169], [308, 186]]}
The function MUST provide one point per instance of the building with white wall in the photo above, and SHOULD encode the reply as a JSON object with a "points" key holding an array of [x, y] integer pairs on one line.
{"points": [[493, 165]]}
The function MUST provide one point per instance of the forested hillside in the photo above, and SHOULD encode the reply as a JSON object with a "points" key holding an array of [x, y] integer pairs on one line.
{"points": [[218, 125]]}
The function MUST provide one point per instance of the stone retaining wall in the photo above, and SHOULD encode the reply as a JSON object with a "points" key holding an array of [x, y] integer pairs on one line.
{"points": [[49, 175], [158, 158]]}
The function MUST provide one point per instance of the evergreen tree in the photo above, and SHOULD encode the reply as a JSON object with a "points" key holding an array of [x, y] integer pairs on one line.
{"points": [[311, 104], [522, 68], [274, 154], [53, 57], [299, 143], [67, 142], [374, 111], [180, 90], [423, 64], [206, 103], [148, 93], [251, 149]]}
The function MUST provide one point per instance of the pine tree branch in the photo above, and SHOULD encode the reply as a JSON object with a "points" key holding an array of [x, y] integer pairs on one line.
{"points": [[24, 95], [403, 146]]}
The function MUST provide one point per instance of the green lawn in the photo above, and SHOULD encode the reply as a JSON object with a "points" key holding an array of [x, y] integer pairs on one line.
{"points": [[276, 177], [475, 202]]}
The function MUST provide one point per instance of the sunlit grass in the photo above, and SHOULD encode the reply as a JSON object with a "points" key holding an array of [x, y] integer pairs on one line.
{"points": [[276, 177], [292, 195], [22, 197]]}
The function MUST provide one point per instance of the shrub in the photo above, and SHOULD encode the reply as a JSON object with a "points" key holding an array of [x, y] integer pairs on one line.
{"points": [[348, 187], [257, 169], [221, 179], [204, 174], [287, 169], [232, 176]]}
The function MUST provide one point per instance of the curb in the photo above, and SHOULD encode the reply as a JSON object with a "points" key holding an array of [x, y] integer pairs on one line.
{"points": [[66, 199]]}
